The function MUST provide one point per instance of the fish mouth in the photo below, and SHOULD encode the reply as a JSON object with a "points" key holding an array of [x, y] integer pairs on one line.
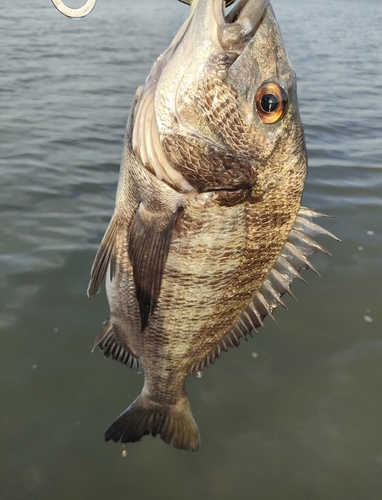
{"points": [[226, 24], [240, 8], [236, 21]]}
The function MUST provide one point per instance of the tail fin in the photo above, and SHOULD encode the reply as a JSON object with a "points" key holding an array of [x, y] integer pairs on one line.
{"points": [[174, 424]]}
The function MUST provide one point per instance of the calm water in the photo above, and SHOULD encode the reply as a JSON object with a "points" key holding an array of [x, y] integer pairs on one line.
{"points": [[294, 414]]}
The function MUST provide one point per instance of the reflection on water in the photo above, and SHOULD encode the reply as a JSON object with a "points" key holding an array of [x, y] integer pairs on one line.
{"points": [[293, 413]]}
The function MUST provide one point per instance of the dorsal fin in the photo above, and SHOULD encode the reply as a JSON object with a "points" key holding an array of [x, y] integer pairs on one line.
{"points": [[114, 345], [293, 257]]}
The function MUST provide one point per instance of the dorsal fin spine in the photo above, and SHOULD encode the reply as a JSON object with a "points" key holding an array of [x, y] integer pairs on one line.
{"points": [[280, 284], [297, 258], [267, 287], [307, 240]]}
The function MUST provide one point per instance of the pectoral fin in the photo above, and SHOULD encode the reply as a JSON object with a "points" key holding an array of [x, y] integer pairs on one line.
{"points": [[149, 244], [104, 257]]}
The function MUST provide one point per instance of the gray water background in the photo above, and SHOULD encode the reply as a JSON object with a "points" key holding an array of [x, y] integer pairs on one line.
{"points": [[295, 413]]}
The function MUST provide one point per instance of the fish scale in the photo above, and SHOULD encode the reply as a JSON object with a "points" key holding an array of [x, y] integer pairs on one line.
{"points": [[208, 230]]}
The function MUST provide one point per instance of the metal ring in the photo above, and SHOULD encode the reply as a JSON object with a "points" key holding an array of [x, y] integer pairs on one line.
{"points": [[74, 13]]}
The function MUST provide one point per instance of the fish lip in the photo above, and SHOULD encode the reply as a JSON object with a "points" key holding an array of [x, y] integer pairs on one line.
{"points": [[250, 12], [237, 10], [240, 24]]}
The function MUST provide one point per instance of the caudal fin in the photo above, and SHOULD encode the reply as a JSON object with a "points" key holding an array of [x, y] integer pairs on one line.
{"points": [[174, 424]]}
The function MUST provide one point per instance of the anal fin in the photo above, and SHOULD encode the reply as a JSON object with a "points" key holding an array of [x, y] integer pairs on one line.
{"points": [[115, 347]]}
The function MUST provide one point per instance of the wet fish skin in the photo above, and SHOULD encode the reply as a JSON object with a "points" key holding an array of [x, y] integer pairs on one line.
{"points": [[207, 197]]}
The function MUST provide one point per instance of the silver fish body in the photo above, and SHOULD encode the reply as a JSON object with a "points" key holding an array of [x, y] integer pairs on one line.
{"points": [[208, 232]]}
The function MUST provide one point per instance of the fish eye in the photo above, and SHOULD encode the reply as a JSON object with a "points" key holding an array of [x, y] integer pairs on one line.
{"points": [[271, 102]]}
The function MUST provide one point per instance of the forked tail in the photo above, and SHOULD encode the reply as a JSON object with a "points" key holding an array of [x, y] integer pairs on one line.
{"points": [[174, 424]]}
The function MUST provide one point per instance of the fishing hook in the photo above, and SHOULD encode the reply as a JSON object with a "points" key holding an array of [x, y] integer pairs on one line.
{"points": [[74, 13], [188, 2]]}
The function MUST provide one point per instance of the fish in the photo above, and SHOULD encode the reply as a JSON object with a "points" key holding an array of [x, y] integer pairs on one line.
{"points": [[208, 230]]}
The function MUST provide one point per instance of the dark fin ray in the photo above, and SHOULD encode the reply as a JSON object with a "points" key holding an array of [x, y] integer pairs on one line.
{"points": [[280, 284], [287, 270], [308, 227], [255, 315], [104, 257], [247, 321], [113, 346], [310, 213], [271, 296], [292, 259], [297, 258], [231, 340], [305, 243], [148, 250], [175, 425], [261, 305]]}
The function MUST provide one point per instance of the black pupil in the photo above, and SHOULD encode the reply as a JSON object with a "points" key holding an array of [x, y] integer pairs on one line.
{"points": [[269, 103]]}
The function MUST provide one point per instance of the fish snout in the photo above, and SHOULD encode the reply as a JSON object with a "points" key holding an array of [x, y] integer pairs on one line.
{"points": [[241, 24]]}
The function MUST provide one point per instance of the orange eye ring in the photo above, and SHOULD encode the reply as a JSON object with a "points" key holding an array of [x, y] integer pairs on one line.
{"points": [[271, 102]]}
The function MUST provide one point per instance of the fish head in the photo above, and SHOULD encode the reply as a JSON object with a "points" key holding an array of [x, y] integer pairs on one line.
{"points": [[219, 109]]}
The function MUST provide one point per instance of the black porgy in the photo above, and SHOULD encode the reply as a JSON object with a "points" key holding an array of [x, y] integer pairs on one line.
{"points": [[208, 230]]}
